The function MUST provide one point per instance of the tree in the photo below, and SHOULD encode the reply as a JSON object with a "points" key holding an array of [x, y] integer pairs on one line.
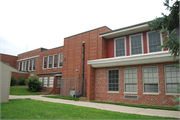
{"points": [[167, 26]]}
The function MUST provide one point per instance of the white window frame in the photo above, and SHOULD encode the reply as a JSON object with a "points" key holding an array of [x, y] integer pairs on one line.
{"points": [[141, 43], [40, 79], [23, 66], [29, 65], [115, 46], [19, 66], [33, 64], [166, 79], [59, 60], [136, 80], [43, 62], [148, 40], [51, 62], [157, 93], [108, 82], [54, 60], [51, 80], [45, 82]]}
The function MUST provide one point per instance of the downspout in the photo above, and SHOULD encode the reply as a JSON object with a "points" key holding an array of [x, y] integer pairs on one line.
{"points": [[80, 94]]}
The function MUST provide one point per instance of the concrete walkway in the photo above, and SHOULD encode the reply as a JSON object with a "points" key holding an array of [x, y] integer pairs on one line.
{"points": [[102, 106]]}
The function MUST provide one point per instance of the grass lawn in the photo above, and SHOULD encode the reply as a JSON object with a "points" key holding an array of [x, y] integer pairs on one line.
{"points": [[59, 97], [34, 109], [140, 106], [21, 90]]}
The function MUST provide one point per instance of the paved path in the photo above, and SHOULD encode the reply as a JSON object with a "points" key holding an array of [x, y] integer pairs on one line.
{"points": [[109, 107]]}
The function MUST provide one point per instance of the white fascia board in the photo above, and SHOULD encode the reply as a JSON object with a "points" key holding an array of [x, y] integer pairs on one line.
{"points": [[28, 58], [163, 56], [125, 30]]}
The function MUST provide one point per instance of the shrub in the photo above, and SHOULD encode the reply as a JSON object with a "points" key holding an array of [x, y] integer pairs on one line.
{"points": [[34, 84], [21, 81], [13, 81]]}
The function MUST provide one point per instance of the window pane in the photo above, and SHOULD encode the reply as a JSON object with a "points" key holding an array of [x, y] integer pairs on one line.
{"points": [[151, 88], [55, 61], [171, 76], [45, 62], [150, 79], [50, 62], [131, 80], [45, 81], [120, 47], [113, 80], [154, 41], [51, 81], [136, 45]]}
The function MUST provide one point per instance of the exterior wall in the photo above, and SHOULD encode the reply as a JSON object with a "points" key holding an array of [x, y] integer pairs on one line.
{"points": [[47, 53], [9, 59], [110, 44], [5, 78], [72, 52], [29, 54], [101, 86], [17, 75]]}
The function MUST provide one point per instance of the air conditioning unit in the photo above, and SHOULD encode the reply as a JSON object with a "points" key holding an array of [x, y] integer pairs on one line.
{"points": [[72, 93]]}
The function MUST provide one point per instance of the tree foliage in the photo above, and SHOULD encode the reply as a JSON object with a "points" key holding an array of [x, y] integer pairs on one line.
{"points": [[167, 26], [34, 84]]}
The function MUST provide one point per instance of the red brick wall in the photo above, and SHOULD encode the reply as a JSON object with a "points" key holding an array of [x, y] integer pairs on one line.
{"points": [[94, 49], [47, 53], [29, 53], [17, 75], [9, 59], [101, 87]]}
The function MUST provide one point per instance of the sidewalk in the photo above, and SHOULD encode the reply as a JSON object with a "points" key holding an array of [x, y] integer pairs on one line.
{"points": [[102, 106]]}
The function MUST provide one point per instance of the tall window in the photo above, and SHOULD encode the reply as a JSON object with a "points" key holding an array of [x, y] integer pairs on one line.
{"points": [[172, 78], [130, 80], [113, 80], [136, 44], [60, 59], [19, 66], [30, 62], [45, 62], [23, 66], [26, 66], [55, 61], [59, 82], [51, 81], [45, 81], [40, 79], [50, 61], [150, 79], [154, 41], [120, 47], [33, 66]]}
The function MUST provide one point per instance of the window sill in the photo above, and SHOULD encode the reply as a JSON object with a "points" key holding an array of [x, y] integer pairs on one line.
{"points": [[150, 93], [130, 93], [172, 94], [44, 68], [59, 67], [54, 67], [112, 91], [49, 68]]}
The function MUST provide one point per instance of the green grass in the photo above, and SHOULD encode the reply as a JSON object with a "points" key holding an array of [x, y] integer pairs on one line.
{"points": [[59, 97], [34, 109], [140, 106], [15, 90]]}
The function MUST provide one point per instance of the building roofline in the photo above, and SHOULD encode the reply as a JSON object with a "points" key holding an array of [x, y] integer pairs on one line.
{"points": [[33, 50], [125, 27], [87, 31], [52, 48], [8, 54]]}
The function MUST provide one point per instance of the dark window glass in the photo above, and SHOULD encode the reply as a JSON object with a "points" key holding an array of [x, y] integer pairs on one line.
{"points": [[45, 62], [113, 80]]}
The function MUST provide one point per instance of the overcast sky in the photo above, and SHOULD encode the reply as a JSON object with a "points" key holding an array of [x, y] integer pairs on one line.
{"points": [[30, 24]]}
